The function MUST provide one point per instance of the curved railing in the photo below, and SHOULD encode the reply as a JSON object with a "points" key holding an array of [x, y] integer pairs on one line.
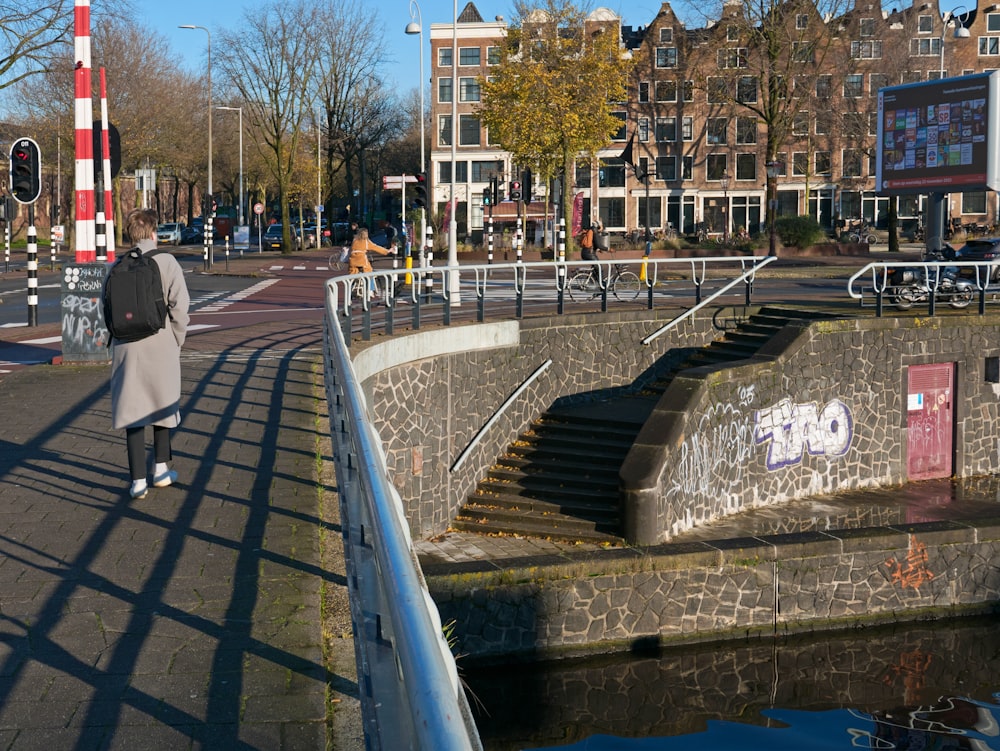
{"points": [[873, 279]]}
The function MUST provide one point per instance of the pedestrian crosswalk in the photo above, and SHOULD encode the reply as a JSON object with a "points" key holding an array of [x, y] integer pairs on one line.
{"points": [[217, 302]]}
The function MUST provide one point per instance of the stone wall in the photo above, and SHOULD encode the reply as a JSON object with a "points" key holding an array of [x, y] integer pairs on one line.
{"points": [[821, 408], [688, 592], [431, 393]]}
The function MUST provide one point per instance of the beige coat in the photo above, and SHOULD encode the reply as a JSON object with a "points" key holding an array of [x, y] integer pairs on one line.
{"points": [[146, 375]]}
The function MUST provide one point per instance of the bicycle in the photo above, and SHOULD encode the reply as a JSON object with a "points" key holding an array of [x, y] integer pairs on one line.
{"points": [[624, 284]]}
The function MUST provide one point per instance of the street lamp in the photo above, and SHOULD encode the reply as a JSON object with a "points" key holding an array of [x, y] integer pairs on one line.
{"points": [[416, 26], [773, 170], [240, 110], [453, 287], [950, 18], [724, 181], [208, 218]]}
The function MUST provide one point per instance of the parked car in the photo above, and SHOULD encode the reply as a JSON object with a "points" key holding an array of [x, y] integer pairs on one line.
{"points": [[192, 235], [272, 237], [982, 249], [169, 233]]}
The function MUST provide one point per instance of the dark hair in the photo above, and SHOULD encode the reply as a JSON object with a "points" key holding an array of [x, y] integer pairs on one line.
{"points": [[140, 224]]}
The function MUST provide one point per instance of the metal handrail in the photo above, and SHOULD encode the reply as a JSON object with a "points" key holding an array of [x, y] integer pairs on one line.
{"points": [[427, 673], [932, 271]]}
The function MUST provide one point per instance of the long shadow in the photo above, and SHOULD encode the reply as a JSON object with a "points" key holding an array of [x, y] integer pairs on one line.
{"points": [[109, 676]]}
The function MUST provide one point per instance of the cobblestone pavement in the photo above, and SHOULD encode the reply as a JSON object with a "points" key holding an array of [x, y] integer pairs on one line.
{"points": [[191, 618]]}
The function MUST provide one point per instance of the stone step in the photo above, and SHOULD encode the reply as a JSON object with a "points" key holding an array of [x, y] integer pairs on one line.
{"points": [[531, 523]]}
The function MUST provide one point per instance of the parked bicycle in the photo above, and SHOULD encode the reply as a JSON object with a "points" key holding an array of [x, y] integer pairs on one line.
{"points": [[859, 233], [622, 283]]}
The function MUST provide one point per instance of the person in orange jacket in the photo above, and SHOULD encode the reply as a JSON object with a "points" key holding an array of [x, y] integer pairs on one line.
{"points": [[358, 259]]}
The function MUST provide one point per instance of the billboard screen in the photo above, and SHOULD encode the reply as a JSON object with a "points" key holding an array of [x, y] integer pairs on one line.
{"points": [[938, 136]]}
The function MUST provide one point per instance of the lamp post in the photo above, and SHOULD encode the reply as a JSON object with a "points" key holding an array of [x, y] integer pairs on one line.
{"points": [[773, 170], [453, 287], [208, 218], [240, 110], [416, 26], [949, 18], [724, 180]]}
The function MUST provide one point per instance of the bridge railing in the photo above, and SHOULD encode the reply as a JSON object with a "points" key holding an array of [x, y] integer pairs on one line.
{"points": [[438, 292], [873, 280], [410, 692]]}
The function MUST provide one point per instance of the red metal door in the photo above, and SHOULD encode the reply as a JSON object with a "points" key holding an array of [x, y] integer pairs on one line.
{"points": [[929, 420]]}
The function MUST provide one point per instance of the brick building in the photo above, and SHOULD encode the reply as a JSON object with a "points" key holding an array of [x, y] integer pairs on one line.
{"points": [[706, 153]]}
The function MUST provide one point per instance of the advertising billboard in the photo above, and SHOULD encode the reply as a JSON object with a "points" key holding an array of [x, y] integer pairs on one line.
{"points": [[938, 136]]}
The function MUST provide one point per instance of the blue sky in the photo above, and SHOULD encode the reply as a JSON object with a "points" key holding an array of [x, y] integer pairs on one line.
{"points": [[403, 71]]}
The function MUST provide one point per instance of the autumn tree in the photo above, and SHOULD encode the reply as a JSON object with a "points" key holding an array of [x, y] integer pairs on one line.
{"points": [[270, 60], [549, 98]]}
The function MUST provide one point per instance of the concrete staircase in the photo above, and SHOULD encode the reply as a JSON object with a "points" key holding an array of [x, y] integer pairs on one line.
{"points": [[559, 479]]}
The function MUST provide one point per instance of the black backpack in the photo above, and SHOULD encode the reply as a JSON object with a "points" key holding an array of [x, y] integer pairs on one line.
{"points": [[134, 307]]}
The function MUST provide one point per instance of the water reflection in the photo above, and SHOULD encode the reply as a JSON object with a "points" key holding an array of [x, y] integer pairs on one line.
{"points": [[928, 686]]}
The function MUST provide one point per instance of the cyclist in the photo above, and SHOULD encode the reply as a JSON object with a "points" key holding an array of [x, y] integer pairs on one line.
{"points": [[358, 261], [587, 252]]}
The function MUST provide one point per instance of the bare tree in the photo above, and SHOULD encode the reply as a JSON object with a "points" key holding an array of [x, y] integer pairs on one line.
{"points": [[271, 61]]}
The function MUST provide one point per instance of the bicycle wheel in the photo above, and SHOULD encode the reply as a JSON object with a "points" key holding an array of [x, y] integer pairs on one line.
{"points": [[626, 286], [580, 286], [871, 238], [334, 263]]}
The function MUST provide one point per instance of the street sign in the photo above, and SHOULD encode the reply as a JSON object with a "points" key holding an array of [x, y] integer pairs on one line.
{"points": [[396, 182], [258, 208]]}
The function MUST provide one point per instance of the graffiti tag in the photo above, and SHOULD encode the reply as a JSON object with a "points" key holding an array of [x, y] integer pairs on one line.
{"points": [[793, 428], [914, 570]]}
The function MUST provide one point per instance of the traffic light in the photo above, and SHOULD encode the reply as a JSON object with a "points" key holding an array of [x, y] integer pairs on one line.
{"points": [[420, 192], [515, 190], [487, 197], [25, 170], [526, 182]]}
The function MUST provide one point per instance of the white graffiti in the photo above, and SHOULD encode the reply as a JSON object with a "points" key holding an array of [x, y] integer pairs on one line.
{"points": [[792, 428], [717, 451], [747, 395], [82, 325]]}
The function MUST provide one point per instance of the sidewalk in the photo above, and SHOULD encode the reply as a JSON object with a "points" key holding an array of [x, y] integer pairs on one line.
{"points": [[193, 618]]}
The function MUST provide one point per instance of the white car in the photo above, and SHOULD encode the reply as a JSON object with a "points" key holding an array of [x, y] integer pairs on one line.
{"points": [[169, 234]]}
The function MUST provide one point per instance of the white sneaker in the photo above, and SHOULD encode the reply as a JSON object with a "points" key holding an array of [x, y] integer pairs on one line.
{"points": [[164, 479], [138, 489]]}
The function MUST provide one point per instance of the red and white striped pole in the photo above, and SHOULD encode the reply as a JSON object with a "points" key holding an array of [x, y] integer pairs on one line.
{"points": [[86, 241], [109, 207]]}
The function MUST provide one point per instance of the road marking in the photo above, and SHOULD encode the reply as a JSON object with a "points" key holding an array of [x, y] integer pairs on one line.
{"points": [[225, 302]]}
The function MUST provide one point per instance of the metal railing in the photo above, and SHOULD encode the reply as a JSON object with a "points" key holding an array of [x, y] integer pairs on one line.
{"points": [[874, 279], [541, 286], [411, 695]]}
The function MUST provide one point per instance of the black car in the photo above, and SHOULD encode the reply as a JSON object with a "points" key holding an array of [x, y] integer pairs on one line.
{"points": [[192, 235], [982, 249]]}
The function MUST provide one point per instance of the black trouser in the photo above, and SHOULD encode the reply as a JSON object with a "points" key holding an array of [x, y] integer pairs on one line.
{"points": [[588, 254], [135, 442]]}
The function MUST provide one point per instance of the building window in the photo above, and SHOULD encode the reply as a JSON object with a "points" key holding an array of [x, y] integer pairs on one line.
{"points": [[823, 86], [732, 57], [689, 91], [461, 172], [444, 89], [746, 89], [800, 163], [468, 89], [804, 52], [483, 172], [823, 122], [469, 56], [923, 46], [687, 168], [666, 91], [612, 173], [666, 129], [869, 50], [852, 163], [925, 24], [912, 76], [468, 130], [444, 130], [989, 46], [867, 27], [732, 33], [782, 159], [873, 123], [877, 81], [718, 90], [444, 57], [651, 212], [643, 127], [800, 124], [687, 128], [667, 35], [854, 85], [715, 130], [666, 57], [643, 91], [746, 166], [620, 134], [801, 21], [492, 55], [974, 202], [824, 163], [666, 168], [746, 130], [715, 166]]}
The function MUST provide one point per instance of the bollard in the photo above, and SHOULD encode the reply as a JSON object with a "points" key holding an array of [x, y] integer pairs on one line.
{"points": [[518, 241], [489, 246], [32, 268]]}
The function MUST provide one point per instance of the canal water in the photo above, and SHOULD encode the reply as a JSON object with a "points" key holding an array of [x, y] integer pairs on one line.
{"points": [[933, 685]]}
